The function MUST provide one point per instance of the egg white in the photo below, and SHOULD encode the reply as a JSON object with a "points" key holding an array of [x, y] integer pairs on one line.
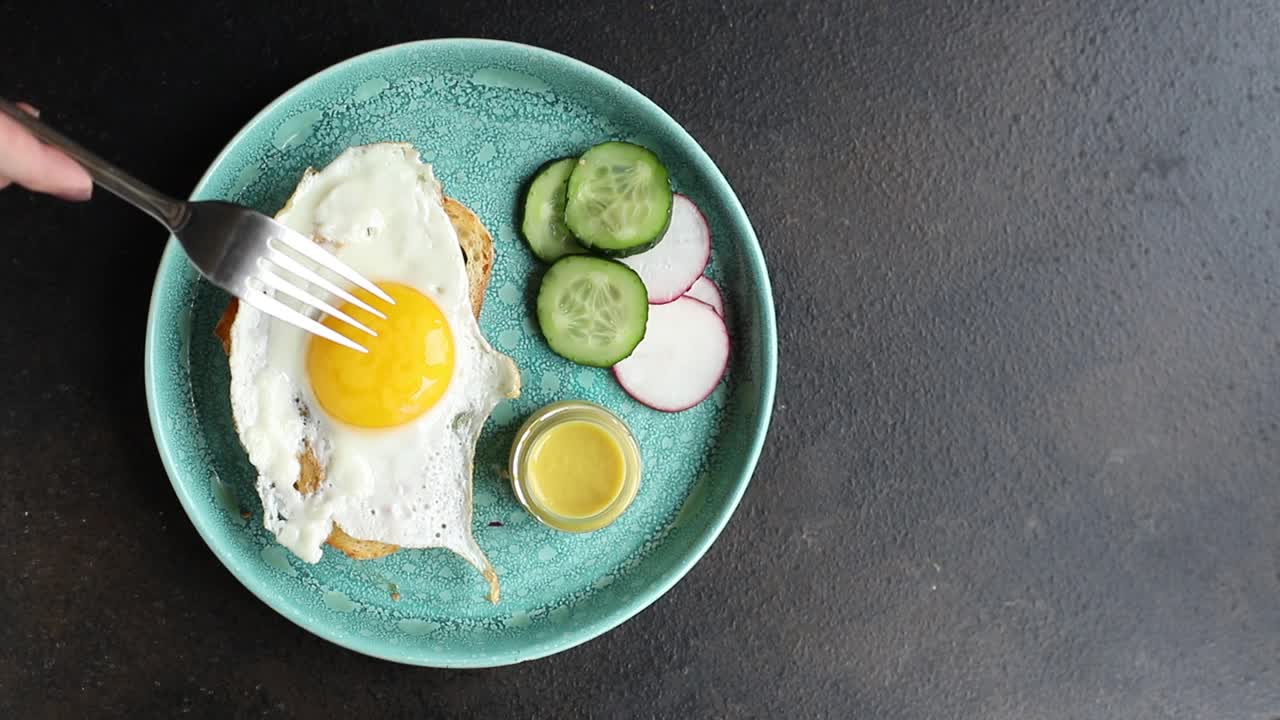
{"points": [[379, 209]]}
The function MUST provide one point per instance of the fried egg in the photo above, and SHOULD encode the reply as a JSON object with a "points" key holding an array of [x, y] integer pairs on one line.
{"points": [[393, 430]]}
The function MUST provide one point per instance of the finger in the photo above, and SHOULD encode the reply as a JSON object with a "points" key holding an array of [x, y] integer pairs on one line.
{"points": [[33, 111], [39, 167]]}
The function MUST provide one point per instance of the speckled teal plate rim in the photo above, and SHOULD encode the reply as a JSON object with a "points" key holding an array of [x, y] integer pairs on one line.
{"points": [[185, 486]]}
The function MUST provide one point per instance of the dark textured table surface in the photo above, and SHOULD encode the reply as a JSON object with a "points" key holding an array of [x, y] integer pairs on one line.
{"points": [[1024, 457]]}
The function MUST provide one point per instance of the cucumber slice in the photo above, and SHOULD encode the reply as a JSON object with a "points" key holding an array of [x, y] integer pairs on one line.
{"points": [[592, 310], [619, 200], [543, 226]]}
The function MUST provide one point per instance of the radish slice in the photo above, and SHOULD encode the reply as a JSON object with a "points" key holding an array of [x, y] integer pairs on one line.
{"points": [[677, 261], [706, 290], [681, 359]]}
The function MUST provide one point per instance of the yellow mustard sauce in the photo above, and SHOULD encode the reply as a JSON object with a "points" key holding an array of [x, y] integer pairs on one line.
{"points": [[575, 469], [575, 466]]}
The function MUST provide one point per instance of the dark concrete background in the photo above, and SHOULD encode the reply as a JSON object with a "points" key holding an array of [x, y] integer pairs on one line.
{"points": [[1024, 459]]}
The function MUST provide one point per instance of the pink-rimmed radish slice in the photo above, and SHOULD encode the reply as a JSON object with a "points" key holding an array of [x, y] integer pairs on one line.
{"points": [[706, 290], [672, 266], [681, 359]]}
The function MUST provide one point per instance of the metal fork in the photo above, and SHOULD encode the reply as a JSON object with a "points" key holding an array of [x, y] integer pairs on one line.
{"points": [[236, 248]]}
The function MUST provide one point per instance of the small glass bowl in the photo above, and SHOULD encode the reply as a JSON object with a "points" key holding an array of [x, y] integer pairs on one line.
{"points": [[552, 416]]}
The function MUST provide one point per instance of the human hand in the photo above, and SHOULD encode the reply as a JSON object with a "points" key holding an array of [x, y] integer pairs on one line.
{"points": [[36, 166]]}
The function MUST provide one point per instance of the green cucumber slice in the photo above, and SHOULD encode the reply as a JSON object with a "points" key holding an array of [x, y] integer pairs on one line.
{"points": [[619, 199], [543, 225], [592, 310]]}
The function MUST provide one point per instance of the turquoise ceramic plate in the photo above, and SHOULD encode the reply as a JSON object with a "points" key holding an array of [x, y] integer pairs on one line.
{"points": [[486, 115]]}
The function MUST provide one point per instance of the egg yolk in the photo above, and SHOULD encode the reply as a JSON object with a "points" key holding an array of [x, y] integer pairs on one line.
{"points": [[405, 372]]}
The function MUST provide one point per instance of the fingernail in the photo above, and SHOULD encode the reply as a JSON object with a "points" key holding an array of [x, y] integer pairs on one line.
{"points": [[77, 194]]}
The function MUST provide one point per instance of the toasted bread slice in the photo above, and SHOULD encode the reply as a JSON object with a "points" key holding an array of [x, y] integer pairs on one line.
{"points": [[477, 248]]}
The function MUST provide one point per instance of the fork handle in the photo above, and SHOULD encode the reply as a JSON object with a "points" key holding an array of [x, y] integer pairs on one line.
{"points": [[172, 213]]}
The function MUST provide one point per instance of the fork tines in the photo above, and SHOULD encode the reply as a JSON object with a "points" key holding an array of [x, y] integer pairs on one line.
{"points": [[274, 259]]}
